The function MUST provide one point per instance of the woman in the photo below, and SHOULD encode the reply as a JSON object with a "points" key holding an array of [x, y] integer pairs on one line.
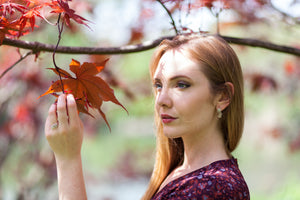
{"points": [[198, 86]]}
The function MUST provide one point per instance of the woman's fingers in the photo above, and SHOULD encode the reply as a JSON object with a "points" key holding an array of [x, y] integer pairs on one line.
{"points": [[72, 111], [51, 120], [64, 129], [62, 112], [63, 115]]}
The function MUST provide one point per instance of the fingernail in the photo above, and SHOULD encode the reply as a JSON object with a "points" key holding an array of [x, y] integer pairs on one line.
{"points": [[70, 97], [62, 96], [53, 106]]}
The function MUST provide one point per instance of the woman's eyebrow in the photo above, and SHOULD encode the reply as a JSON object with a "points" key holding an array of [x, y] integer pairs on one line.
{"points": [[179, 77], [173, 78], [156, 80]]}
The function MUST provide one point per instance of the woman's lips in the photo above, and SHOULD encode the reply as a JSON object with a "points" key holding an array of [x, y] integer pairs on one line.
{"points": [[167, 118]]}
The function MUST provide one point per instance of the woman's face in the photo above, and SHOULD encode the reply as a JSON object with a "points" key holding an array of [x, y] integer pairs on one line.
{"points": [[183, 98]]}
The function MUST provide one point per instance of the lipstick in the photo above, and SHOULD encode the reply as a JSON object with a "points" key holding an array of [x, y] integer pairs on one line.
{"points": [[167, 118]]}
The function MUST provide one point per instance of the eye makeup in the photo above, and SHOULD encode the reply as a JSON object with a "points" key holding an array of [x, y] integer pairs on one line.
{"points": [[183, 84]]}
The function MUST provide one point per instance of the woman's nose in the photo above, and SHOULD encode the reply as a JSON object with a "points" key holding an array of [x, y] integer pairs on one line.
{"points": [[163, 98]]}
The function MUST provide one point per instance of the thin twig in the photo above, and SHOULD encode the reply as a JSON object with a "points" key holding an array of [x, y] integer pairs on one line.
{"points": [[60, 30], [17, 62], [170, 15], [286, 15], [215, 11], [218, 23]]}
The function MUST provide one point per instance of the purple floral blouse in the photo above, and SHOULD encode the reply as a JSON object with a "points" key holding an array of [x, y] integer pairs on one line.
{"points": [[221, 180]]}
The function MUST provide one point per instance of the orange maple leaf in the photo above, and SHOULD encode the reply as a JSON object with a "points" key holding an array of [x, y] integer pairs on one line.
{"points": [[88, 89]]}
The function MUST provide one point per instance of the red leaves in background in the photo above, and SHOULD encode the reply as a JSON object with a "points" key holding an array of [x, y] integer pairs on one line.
{"points": [[137, 35], [289, 68], [292, 68], [260, 82], [16, 19], [225, 4], [199, 3], [7, 28], [88, 89], [295, 144], [206, 3]]}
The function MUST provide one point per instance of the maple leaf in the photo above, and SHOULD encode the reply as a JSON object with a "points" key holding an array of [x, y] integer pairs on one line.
{"points": [[88, 89], [11, 25], [30, 16], [9, 8], [61, 6], [10, 29]]}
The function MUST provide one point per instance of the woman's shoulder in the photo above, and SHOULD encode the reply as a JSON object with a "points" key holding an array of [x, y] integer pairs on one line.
{"points": [[222, 169], [222, 179], [219, 180]]}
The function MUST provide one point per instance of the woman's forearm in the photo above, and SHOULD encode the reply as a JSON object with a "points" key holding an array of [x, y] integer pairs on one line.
{"points": [[71, 184]]}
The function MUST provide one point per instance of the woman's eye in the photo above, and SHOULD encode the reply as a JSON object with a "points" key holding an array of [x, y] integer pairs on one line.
{"points": [[183, 85], [157, 86]]}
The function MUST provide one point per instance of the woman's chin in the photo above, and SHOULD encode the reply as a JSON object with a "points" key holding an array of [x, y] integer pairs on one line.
{"points": [[171, 133]]}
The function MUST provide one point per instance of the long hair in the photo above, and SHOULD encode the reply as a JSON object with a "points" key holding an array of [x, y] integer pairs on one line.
{"points": [[219, 64]]}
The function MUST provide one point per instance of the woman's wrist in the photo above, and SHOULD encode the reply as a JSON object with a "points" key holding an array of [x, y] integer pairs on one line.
{"points": [[67, 160]]}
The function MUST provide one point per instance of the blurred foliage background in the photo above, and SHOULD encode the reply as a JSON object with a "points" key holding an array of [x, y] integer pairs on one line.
{"points": [[117, 164]]}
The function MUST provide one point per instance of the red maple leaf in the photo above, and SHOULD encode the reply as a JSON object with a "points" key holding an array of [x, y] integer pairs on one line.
{"points": [[14, 19], [11, 29], [62, 6], [9, 8], [30, 16], [88, 89]]}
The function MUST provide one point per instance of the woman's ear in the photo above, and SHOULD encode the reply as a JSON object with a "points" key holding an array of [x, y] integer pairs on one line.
{"points": [[225, 96]]}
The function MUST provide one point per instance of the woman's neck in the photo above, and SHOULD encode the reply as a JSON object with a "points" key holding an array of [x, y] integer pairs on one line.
{"points": [[202, 150], [199, 151]]}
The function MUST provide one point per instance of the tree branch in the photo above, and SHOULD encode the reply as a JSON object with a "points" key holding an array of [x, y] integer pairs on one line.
{"points": [[263, 44], [17, 62], [38, 47]]}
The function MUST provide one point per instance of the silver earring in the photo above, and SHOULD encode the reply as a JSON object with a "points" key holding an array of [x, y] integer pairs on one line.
{"points": [[219, 112]]}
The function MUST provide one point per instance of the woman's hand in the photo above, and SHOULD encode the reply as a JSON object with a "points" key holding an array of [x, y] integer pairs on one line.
{"points": [[64, 129], [64, 132]]}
